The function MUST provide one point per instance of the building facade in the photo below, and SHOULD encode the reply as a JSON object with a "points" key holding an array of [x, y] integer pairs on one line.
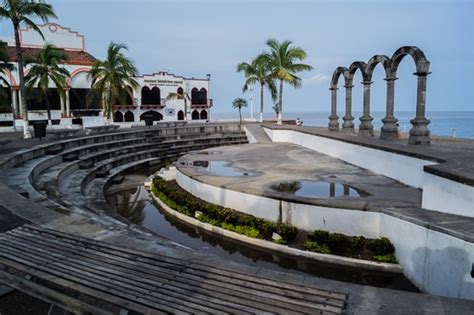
{"points": [[162, 95]]}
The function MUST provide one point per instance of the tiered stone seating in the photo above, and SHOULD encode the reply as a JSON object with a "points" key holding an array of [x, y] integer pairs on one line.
{"points": [[72, 175]]}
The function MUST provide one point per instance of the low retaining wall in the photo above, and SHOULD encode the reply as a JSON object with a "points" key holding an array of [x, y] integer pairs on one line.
{"points": [[271, 246], [435, 262]]}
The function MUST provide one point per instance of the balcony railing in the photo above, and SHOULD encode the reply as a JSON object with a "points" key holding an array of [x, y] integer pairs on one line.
{"points": [[207, 105]]}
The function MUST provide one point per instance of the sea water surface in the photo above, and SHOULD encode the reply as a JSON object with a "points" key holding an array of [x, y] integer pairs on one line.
{"points": [[446, 123]]}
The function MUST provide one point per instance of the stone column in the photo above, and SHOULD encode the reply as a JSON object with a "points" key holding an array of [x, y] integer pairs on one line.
{"points": [[419, 133], [389, 129], [68, 105], [333, 119], [366, 128], [348, 125], [20, 103], [15, 100], [63, 106]]}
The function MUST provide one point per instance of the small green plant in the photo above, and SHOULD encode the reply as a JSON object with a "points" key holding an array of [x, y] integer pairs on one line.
{"points": [[338, 242], [381, 246], [280, 241], [386, 258], [358, 243], [319, 236], [315, 247]]}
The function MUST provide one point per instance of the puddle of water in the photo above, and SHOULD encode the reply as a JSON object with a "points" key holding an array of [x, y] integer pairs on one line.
{"points": [[317, 189], [137, 206], [221, 168]]}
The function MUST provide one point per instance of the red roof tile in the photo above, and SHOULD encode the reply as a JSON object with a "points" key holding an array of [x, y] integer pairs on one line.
{"points": [[75, 57]]}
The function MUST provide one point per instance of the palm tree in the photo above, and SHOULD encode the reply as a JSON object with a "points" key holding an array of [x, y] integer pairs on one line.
{"points": [[113, 78], [239, 103], [4, 64], [259, 71], [284, 61], [21, 13], [45, 68], [180, 96]]}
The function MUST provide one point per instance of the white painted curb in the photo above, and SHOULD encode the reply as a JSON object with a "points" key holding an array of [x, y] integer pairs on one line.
{"points": [[326, 258]]}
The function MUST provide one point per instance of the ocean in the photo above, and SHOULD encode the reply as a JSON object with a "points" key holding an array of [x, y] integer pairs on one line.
{"points": [[458, 124]]}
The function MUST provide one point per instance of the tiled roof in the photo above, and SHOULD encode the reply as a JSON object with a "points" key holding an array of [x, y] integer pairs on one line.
{"points": [[75, 57]]}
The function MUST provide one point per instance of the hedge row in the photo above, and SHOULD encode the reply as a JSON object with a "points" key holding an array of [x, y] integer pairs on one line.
{"points": [[178, 199], [380, 249]]}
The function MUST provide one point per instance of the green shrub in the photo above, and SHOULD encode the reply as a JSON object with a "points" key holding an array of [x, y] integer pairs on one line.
{"points": [[358, 243], [338, 242], [245, 230], [381, 246], [266, 228], [287, 231], [319, 236], [386, 258], [173, 196], [315, 247]]}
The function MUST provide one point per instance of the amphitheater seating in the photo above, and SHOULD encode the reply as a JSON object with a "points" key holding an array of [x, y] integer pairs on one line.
{"points": [[88, 276], [72, 175], [78, 171]]}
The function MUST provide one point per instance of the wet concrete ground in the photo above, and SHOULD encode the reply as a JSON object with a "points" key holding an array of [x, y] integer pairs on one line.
{"points": [[267, 165]]}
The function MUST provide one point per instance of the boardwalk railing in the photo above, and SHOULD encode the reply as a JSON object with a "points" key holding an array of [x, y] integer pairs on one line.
{"points": [[84, 275]]}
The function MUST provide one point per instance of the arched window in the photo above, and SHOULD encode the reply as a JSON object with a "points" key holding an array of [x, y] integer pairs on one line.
{"points": [[203, 96], [203, 114], [195, 115], [199, 97], [146, 95], [156, 115], [155, 96], [180, 115], [118, 116], [129, 117], [180, 91], [194, 96]]}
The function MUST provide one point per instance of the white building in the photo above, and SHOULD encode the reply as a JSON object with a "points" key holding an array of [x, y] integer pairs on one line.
{"points": [[151, 98]]}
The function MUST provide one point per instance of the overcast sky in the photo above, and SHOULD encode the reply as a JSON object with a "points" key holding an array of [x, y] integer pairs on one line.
{"points": [[193, 38]]}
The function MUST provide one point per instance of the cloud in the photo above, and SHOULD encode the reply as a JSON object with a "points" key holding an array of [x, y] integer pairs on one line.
{"points": [[317, 79]]}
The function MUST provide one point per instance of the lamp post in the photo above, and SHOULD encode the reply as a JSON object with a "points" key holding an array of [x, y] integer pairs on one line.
{"points": [[251, 101]]}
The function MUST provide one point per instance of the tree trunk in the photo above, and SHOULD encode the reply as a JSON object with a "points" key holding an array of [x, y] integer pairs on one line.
{"points": [[48, 108], [280, 104], [261, 103], [21, 75], [240, 115]]}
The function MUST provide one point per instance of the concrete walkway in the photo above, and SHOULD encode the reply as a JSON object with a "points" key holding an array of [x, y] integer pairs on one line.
{"points": [[258, 133]]}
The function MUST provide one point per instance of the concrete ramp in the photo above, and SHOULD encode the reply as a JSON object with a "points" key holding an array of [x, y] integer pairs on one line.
{"points": [[255, 133]]}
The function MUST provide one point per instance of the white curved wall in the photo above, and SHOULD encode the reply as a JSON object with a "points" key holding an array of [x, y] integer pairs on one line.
{"points": [[445, 195], [403, 168], [437, 263]]}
